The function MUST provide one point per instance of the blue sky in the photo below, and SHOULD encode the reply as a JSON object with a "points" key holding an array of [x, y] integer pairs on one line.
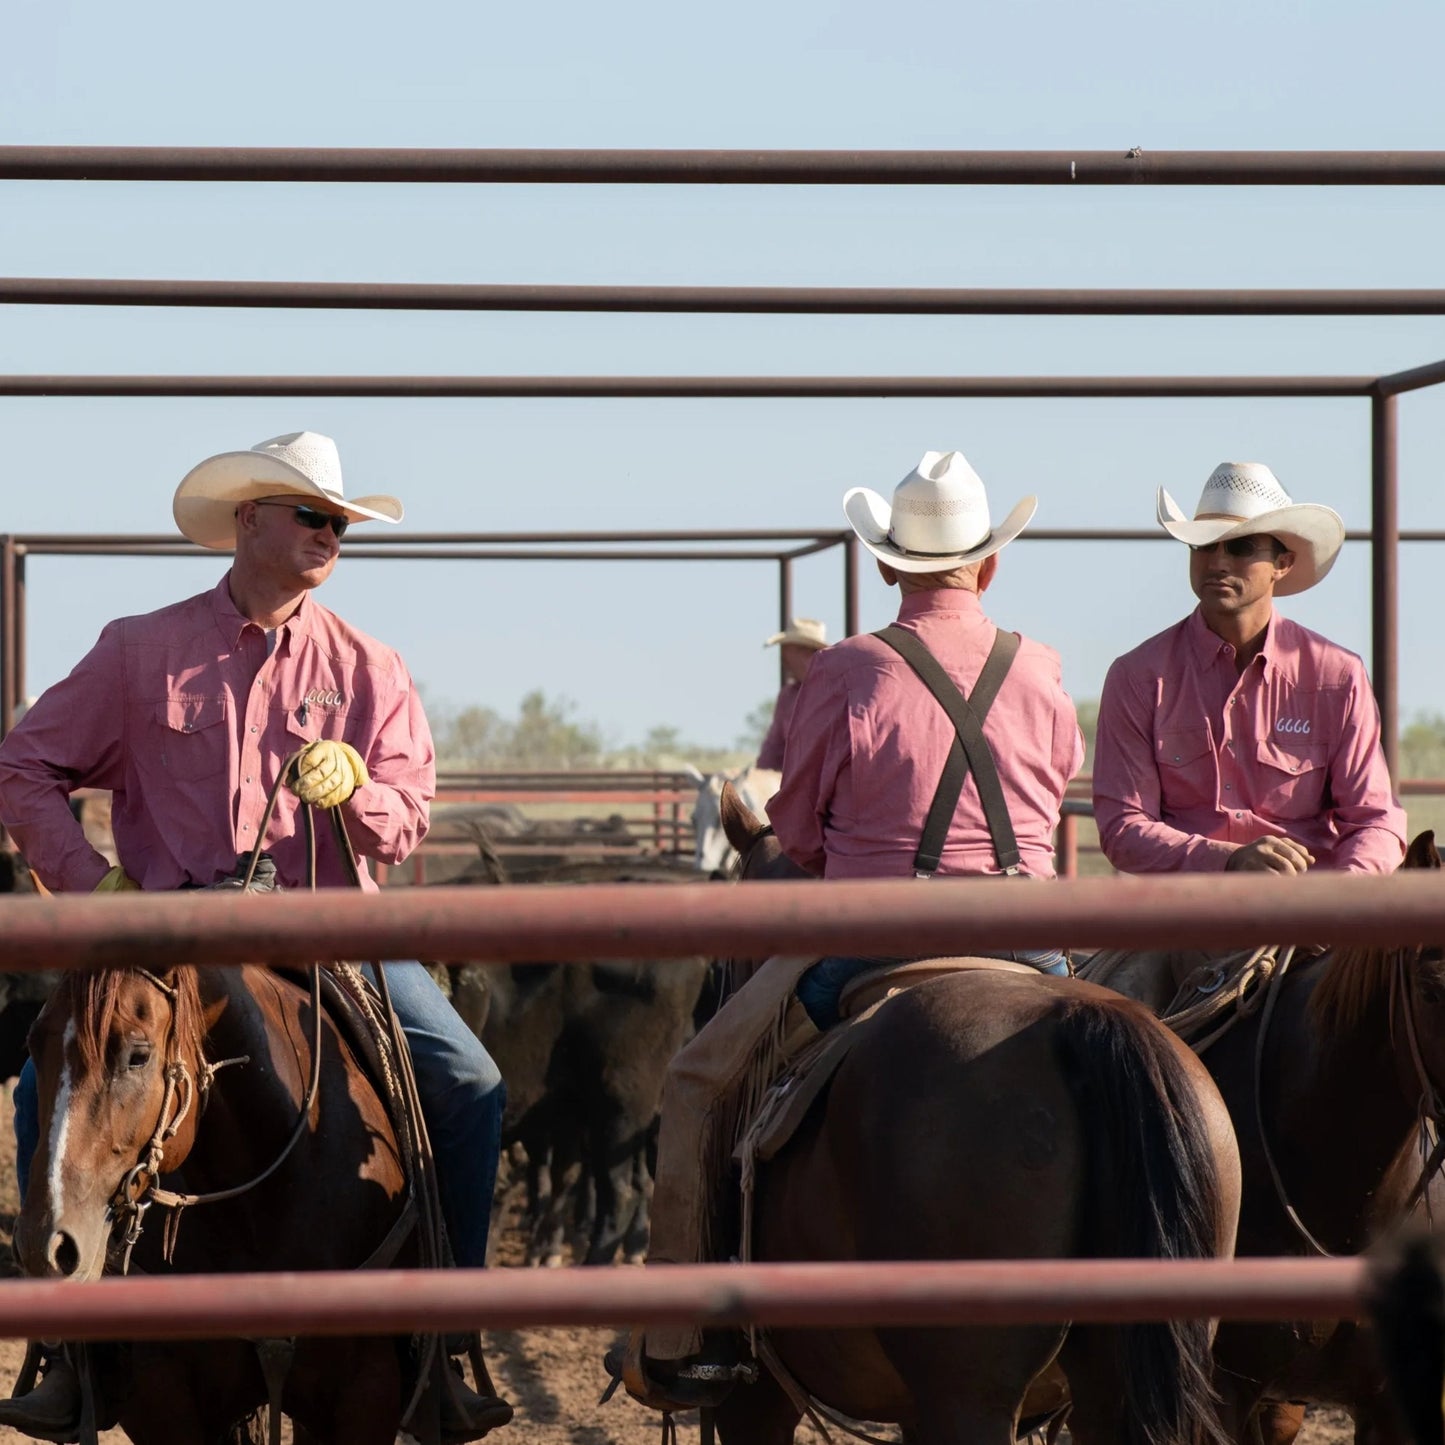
{"points": [[679, 644]]}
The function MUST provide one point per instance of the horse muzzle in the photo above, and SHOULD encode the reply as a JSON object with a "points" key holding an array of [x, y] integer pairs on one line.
{"points": [[71, 1249]]}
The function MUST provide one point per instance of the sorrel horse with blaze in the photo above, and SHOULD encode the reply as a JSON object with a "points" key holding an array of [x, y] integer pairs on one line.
{"points": [[103, 1048], [997, 1116]]}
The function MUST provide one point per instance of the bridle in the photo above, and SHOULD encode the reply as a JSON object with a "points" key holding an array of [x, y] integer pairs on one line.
{"points": [[140, 1188], [1430, 1108]]}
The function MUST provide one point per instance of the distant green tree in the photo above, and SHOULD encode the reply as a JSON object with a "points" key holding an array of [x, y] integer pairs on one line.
{"points": [[472, 738], [1422, 747], [545, 735], [755, 726]]}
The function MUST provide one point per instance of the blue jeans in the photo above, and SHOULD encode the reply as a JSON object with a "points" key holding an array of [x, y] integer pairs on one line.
{"points": [[462, 1097], [821, 988]]}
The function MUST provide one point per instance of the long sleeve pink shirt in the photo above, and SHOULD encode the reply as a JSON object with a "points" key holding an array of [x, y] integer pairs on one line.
{"points": [[185, 717], [868, 741], [1194, 759], [770, 755]]}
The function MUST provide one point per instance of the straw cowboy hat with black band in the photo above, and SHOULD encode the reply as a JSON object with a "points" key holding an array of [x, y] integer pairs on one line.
{"points": [[299, 464], [938, 519], [1245, 499]]}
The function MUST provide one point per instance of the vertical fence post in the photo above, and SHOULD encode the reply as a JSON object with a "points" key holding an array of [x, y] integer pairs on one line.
{"points": [[785, 609], [8, 697], [1385, 573], [17, 633], [850, 585], [1066, 845]]}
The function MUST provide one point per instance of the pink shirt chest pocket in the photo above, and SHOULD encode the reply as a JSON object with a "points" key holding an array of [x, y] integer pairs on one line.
{"points": [[1291, 776], [189, 739], [1188, 772]]}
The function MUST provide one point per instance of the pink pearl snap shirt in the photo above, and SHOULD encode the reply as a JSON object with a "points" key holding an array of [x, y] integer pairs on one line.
{"points": [[770, 755], [1194, 759], [184, 717], [867, 743]]}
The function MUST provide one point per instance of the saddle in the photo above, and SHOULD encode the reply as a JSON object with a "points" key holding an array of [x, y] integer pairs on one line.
{"points": [[1198, 994], [807, 1073]]}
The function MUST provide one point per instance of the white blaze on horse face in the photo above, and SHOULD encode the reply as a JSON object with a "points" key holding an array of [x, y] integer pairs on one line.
{"points": [[60, 1126]]}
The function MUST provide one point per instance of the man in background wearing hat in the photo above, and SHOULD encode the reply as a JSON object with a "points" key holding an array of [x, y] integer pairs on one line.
{"points": [[187, 715], [800, 643], [861, 797], [1237, 739]]}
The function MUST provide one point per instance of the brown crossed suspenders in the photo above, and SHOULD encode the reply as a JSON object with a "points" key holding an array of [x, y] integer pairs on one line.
{"points": [[970, 751]]}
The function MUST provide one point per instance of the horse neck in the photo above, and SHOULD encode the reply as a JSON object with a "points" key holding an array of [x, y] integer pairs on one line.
{"points": [[1334, 1100], [251, 1106]]}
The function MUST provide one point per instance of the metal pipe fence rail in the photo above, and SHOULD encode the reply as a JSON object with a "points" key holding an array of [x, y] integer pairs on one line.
{"points": [[517, 923], [727, 300], [396, 165], [995, 1292]]}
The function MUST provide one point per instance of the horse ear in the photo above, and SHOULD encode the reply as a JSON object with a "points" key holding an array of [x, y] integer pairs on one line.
{"points": [[1422, 852], [739, 821]]}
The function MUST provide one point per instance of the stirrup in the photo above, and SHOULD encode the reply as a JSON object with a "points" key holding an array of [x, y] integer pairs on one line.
{"points": [[695, 1385], [468, 1414]]}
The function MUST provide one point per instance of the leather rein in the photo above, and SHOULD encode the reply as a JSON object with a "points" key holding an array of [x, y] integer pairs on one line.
{"points": [[1430, 1108], [140, 1188]]}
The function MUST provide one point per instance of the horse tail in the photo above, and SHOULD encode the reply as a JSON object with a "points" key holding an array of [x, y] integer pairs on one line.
{"points": [[1153, 1192]]}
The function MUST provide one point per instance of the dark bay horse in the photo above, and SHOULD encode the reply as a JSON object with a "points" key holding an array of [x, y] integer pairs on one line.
{"points": [[225, 1057], [1353, 1058], [997, 1116]]}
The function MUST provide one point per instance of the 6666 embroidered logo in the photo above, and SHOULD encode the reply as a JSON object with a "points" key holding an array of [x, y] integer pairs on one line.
{"points": [[1292, 725]]}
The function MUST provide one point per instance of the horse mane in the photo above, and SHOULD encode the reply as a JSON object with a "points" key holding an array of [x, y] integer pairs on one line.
{"points": [[1354, 979], [93, 997]]}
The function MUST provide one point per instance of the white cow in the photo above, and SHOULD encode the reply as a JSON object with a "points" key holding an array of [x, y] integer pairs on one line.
{"points": [[755, 786]]}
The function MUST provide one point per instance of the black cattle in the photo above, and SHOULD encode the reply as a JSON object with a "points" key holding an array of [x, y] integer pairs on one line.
{"points": [[1406, 1299], [583, 1049]]}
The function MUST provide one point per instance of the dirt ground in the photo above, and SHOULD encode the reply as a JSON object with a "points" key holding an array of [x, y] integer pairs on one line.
{"points": [[553, 1377]]}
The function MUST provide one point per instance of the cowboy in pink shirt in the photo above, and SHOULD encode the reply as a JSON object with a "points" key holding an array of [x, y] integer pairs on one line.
{"points": [[866, 748], [1238, 739], [800, 643], [188, 715], [867, 744]]}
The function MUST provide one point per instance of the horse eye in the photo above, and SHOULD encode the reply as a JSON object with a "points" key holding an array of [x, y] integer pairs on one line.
{"points": [[138, 1054]]}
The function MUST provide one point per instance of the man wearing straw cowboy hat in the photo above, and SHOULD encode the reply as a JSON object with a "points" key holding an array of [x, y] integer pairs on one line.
{"points": [[800, 642], [878, 782], [187, 715], [1237, 739]]}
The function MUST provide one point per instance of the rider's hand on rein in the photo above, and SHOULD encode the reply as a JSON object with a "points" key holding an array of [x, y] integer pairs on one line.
{"points": [[1270, 855], [327, 773]]}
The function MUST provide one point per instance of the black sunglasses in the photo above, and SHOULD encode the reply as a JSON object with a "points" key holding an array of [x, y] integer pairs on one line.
{"points": [[312, 519], [1240, 547]]}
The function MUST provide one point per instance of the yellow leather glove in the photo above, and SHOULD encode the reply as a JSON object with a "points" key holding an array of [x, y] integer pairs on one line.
{"points": [[327, 773], [116, 882]]}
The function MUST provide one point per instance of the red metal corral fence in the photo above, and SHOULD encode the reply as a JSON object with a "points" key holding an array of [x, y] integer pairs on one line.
{"points": [[748, 920], [649, 810]]}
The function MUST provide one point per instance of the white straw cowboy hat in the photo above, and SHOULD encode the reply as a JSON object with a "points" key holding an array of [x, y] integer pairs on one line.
{"points": [[801, 632], [1245, 499], [297, 464], [938, 519]]}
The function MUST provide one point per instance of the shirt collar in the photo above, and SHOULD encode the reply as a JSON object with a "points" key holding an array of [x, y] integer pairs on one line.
{"points": [[1209, 647], [233, 625], [939, 599]]}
